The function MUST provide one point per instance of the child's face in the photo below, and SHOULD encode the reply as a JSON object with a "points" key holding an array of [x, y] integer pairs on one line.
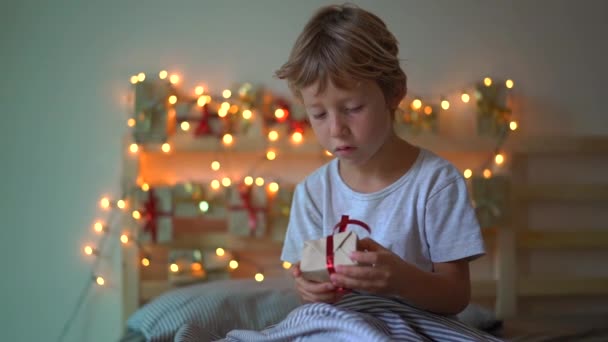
{"points": [[352, 123]]}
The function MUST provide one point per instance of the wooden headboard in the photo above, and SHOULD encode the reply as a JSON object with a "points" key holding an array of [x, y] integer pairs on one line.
{"points": [[506, 279]]}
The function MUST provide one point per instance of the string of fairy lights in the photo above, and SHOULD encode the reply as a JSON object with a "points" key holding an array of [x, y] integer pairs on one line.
{"points": [[224, 109], [243, 104]]}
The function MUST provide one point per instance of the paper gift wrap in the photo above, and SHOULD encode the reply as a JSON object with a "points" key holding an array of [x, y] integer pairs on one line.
{"points": [[319, 257]]}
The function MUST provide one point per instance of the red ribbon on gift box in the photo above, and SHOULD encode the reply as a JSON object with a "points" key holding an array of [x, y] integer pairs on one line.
{"points": [[151, 214], [329, 241], [245, 195]]}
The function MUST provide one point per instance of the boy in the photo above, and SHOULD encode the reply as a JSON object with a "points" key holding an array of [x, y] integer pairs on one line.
{"points": [[345, 69]]}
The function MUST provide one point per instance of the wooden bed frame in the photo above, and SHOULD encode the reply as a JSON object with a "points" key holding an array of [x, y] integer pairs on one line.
{"points": [[507, 285]]}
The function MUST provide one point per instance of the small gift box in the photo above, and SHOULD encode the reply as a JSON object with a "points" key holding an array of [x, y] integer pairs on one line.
{"points": [[186, 266], [151, 113], [320, 257], [247, 206], [279, 210], [156, 215]]}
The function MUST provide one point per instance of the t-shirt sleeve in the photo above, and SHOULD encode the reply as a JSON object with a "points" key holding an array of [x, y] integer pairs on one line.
{"points": [[304, 224], [451, 227]]}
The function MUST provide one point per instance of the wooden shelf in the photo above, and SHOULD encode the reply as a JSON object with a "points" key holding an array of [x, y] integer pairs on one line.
{"points": [[561, 192]]}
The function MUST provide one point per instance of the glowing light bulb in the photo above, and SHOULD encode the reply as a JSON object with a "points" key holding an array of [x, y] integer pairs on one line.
{"points": [[88, 250], [134, 79], [121, 204], [174, 79], [226, 182], [185, 126], [487, 173], [215, 165], [428, 110], [134, 148], [98, 227], [145, 187], [201, 101], [271, 155], [286, 265], [131, 122], [499, 159], [445, 104], [233, 264], [468, 173], [259, 277], [222, 113], [136, 215], [172, 99], [248, 180], [513, 125], [259, 181], [297, 137], [273, 187], [174, 268], [141, 77], [227, 139], [279, 113], [124, 238], [465, 97], [487, 81], [509, 84], [163, 74], [220, 251], [199, 90], [225, 105], [166, 147], [273, 135], [145, 262], [100, 281], [215, 184], [105, 203], [203, 206], [226, 93], [247, 114], [416, 104]]}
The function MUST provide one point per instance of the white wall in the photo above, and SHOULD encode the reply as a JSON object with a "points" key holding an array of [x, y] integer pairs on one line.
{"points": [[65, 69]]}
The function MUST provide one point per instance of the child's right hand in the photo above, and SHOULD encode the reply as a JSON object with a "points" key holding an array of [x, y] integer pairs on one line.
{"points": [[312, 291]]}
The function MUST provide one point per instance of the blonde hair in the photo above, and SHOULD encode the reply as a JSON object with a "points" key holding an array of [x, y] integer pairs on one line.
{"points": [[341, 43]]}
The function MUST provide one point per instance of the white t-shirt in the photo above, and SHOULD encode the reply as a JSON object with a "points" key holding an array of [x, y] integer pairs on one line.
{"points": [[424, 217]]}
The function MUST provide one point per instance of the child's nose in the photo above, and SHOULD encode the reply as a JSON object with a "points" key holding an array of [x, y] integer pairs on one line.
{"points": [[338, 127]]}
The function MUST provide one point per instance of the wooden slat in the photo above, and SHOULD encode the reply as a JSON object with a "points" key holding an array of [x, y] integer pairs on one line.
{"points": [[550, 286], [583, 239], [561, 192]]}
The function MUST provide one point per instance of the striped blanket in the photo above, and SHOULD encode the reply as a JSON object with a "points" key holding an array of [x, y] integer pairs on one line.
{"points": [[356, 317]]}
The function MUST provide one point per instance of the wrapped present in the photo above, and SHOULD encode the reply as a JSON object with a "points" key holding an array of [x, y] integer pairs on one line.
{"points": [[151, 111], [490, 199], [247, 210], [156, 212], [493, 112], [320, 257], [278, 215], [186, 266]]}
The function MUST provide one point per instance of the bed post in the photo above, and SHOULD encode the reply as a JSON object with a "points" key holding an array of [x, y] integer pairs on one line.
{"points": [[130, 251]]}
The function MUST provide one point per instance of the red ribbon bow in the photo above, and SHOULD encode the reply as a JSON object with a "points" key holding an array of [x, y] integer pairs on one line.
{"points": [[245, 193], [151, 214], [329, 241]]}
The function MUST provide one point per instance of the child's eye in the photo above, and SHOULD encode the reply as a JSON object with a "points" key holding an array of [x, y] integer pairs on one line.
{"points": [[354, 109], [318, 116]]}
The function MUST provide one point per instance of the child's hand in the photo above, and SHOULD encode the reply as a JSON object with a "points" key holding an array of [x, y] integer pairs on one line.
{"points": [[378, 270], [312, 291]]}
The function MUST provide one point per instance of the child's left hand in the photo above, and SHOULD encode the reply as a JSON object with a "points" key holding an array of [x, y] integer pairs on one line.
{"points": [[379, 271]]}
